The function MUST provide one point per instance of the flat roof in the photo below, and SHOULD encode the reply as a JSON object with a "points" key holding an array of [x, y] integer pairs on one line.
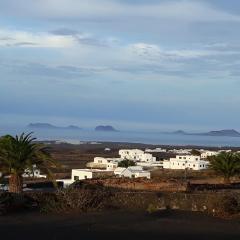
{"points": [[91, 170]]}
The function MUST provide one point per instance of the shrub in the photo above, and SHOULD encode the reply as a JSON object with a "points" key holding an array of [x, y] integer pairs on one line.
{"points": [[126, 163], [80, 200], [152, 208]]}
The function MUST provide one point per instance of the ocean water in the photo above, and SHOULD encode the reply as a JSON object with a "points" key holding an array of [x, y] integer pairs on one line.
{"points": [[125, 136]]}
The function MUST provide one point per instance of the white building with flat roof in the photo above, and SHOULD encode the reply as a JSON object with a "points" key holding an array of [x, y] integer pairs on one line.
{"points": [[186, 162], [81, 174], [132, 172], [156, 150], [33, 173], [131, 154], [180, 151], [136, 155], [205, 154], [107, 163]]}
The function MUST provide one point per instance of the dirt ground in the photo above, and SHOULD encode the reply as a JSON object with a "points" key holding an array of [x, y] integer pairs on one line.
{"points": [[140, 225], [77, 156]]}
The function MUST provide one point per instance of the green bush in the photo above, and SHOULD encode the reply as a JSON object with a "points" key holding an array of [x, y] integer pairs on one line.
{"points": [[152, 208], [126, 163]]}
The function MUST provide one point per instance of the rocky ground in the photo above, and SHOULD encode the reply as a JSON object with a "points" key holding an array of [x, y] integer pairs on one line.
{"points": [[119, 225]]}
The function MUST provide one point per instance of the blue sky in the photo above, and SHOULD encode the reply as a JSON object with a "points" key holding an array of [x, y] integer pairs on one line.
{"points": [[146, 64]]}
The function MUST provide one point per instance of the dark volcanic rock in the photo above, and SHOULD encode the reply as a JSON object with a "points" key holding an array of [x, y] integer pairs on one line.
{"points": [[229, 133], [105, 129], [220, 133], [50, 126], [41, 125]]}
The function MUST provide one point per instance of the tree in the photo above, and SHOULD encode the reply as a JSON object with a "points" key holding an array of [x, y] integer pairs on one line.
{"points": [[20, 153], [126, 163], [226, 164]]}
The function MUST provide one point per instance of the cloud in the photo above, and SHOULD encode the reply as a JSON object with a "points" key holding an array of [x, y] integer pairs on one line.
{"points": [[42, 70], [13, 38], [88, 55], [85, 38], [95, 10], [64, 32], [153, 52]]}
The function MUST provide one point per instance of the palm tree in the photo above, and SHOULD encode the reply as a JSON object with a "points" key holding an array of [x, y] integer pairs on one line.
{"points": [[126, 163], [226, 164], [21, 153]]}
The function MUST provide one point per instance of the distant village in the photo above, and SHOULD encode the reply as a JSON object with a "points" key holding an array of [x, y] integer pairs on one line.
{"points": [[143, 162], [139, 164]]}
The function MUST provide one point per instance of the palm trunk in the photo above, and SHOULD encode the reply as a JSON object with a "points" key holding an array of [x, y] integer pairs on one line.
{"points": [[15, 183]]}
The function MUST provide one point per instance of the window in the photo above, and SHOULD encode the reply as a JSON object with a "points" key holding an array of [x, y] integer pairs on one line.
{"points": [[193, 165], [183, 164], [76, 178], [180, 157], [85, 177]]}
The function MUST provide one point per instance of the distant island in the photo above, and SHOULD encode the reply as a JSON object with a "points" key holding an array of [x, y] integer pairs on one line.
{"points": [[220, 133], [229, 133], [105, 128], [50, 126]]}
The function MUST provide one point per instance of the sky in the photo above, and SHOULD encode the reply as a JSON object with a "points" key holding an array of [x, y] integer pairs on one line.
{"points": [[134, 64]]}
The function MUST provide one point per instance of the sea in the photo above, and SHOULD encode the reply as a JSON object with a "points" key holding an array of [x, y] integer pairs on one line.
{"points": [[156, 138]]}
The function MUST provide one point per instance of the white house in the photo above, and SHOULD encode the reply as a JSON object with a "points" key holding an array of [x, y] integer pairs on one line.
{"points": [[131, 154], [81, 174], [136, 155], [132, 172], [205, 154], [156, 150], [150, 164], [119, 170], [35, 172], [147, 157], [107, 163], [180, 151], [226, 150], [103, 160], [186, 162], [141, 158]]}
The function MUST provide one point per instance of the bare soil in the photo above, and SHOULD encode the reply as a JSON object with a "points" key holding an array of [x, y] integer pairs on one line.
{"points": [[119, 225]]}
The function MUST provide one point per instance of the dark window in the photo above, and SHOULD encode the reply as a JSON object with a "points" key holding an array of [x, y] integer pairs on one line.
{"points": [[76, 178]]}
